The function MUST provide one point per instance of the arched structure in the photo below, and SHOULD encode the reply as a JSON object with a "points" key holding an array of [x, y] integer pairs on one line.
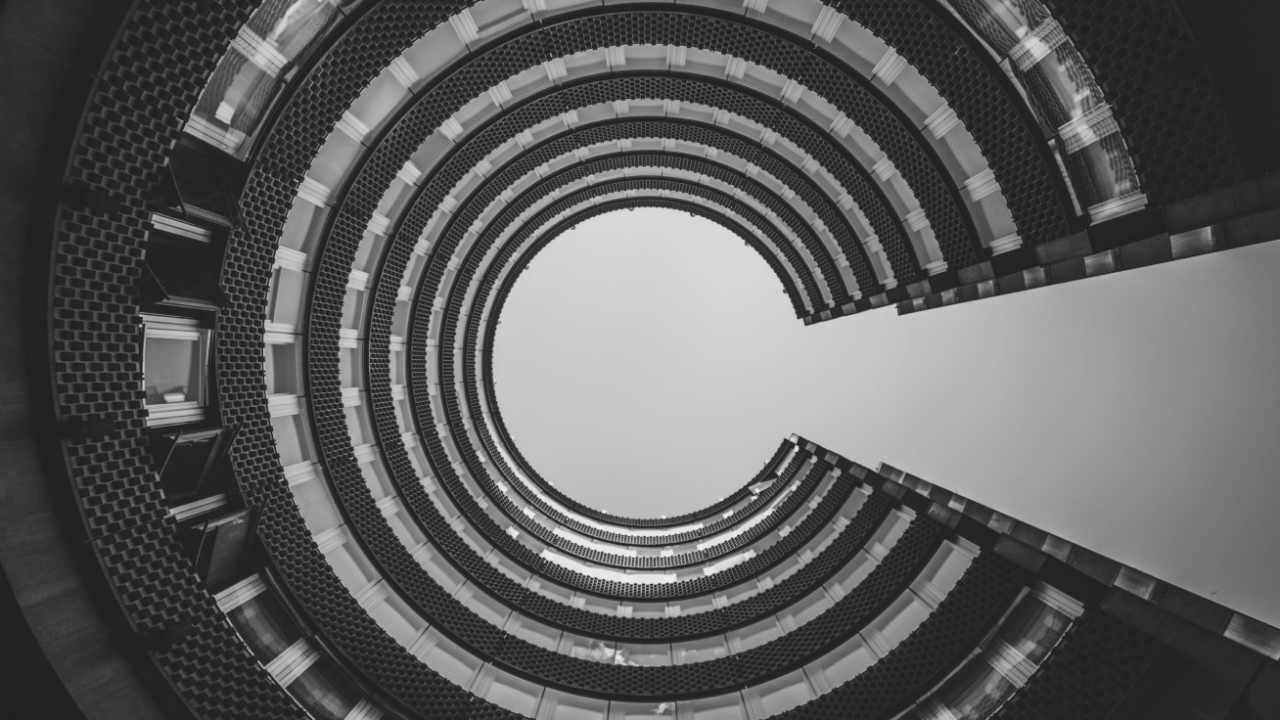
{"points": [[265, 246]]}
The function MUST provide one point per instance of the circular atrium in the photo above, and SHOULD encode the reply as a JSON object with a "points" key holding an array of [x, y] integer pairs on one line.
{"points": [[258, 252]]}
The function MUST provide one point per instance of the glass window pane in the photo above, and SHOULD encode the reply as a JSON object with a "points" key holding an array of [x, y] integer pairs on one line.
{"points": [[253, 71], [291, 441], [181, 275], [185, 458], [288, 26], [323, 693], [199, 181], [976, 692], [173, 368], [282, 369], [1034, 629], [265, 626], [642, 654], [233, 102]]}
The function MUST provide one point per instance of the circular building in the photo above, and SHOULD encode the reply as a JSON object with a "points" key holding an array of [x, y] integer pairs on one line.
{"points": [[257, 252]]}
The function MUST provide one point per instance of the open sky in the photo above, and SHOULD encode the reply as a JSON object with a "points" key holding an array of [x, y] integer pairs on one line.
{"points": [[648, 363]]}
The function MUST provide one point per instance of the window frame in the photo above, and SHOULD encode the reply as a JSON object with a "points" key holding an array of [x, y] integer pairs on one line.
{"points": [[170, 327]]}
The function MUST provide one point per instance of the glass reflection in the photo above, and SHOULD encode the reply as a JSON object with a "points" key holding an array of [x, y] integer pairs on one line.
{"points": [[323, 693], [977, 692], [261, 59], [174, 358], [1004, 23], [264, 626], [1063, 91]]}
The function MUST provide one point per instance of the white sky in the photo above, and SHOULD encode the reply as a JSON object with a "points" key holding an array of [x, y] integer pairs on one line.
{"points": [[648, 363]]}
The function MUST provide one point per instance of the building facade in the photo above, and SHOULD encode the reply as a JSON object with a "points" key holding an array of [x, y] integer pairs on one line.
{"points": [[257, 254]]}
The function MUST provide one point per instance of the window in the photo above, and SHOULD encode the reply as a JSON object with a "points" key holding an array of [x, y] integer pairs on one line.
{"points": [[202, 187], [192, 213], [220, 546], [264, 625], [323, 692], [272, 631], [176, 273], [187, 450], [188, 460], [283, 366], [261, 59], [175, 367]]}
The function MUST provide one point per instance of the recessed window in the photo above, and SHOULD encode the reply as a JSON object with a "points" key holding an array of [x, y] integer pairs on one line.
{"points": [[219, 546], [188, 460], [177, 270], [175, 367], [324, 693], [201, 178], [282, 366], [250, 75], [264, 625]]}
